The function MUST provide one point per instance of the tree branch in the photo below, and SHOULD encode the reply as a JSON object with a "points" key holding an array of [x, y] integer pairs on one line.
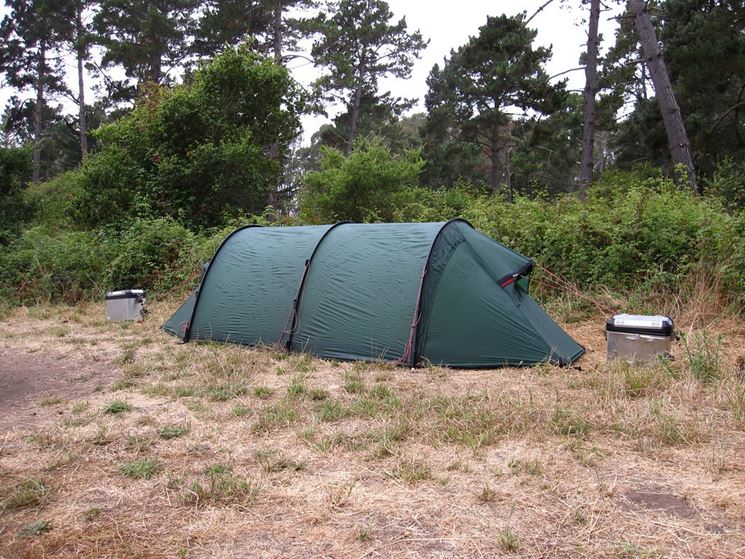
{"points": [[566, 72], [728, 111], [538, 11]]}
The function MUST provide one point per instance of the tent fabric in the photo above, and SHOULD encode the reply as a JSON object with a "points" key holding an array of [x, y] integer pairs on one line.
{"points": [[412, 293]]}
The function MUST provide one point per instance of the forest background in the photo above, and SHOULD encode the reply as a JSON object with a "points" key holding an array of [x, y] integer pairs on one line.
{"points": [[194, 128]]}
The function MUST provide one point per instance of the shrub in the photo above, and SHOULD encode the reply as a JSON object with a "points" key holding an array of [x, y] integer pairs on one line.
{"points": [[196, 152], [15, 172], [633, 232], [151, 254], [67, 266], [728, 183], [360, 187]]}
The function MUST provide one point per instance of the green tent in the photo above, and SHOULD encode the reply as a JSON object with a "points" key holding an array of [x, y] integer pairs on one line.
{"points": [[412, 293]]}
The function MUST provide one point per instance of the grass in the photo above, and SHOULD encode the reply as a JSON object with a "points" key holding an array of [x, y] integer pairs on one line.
{"points": [[353, 382], [263, 392], [172, 431], [117, 407], [276, 416], [530, 466], [221, 487], [277, 462], [568, 422], [332, 410], [225, 392], [411, 470], [703, 355], [144, 468], [377, 459], [240, 410], [51, 401], [36, 528], [509, 540], [31, 492]]}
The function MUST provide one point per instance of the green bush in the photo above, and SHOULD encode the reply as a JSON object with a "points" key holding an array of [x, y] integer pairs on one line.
{"points": [[197, 152], [635, 231], [44, 265], [15, 172], [153, 255], [52, 200], [67, 266], [364, 186], [728, 183]]}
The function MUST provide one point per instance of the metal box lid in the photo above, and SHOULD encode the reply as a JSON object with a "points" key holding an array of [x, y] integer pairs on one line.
{"points": [[125, 294], [640, 324]]}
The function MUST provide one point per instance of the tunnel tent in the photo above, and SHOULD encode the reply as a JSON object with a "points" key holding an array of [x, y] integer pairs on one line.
{"points": [[413, 293]]}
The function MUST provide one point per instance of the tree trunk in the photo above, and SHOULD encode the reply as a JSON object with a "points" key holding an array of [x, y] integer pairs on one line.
{"points": [[278, 32], [494, 159], [81, 51], [155, 66], [354, 116], [591, 88], [508, 173], [39, 111], [273, 194], [680, 148]]}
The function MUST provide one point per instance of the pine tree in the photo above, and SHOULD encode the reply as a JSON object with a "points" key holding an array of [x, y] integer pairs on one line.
{"points": [[359, 45], [29, 58], [484, 79], [146, 38]]}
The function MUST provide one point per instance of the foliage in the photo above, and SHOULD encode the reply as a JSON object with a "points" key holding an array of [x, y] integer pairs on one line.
{"points": [[196, 153], [704, 51], [361, 187], [159, 255], [358, 45], [496, 70], [149, 255], [41, 267], [633, 232], [728, 183], [144, 37], [15, 172]]}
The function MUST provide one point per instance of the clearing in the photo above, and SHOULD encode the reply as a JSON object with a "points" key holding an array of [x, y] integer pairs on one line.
{"points": [[117, 441]]}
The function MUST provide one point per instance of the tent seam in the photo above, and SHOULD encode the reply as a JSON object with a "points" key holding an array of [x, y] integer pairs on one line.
{"points": [[295, 308]]}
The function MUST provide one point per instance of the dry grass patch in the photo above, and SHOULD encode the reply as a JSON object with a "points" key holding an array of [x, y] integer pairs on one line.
{"points": [[225, 450]]}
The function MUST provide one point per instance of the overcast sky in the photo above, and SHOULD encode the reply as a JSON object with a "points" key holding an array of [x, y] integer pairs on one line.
{"points": [[448, 24]]}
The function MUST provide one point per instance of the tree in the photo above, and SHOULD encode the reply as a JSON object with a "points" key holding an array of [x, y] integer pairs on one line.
{"points": [[228, 23], [15, 172], [360, 187], [81, 39], [704, 49], [30, 36], [198, 152], [680, 147], [358, 45], [485, 80], [147, 38], [589, 111]]}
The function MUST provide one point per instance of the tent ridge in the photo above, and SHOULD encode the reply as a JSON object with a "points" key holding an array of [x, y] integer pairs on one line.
{"points": [[187, 332]]}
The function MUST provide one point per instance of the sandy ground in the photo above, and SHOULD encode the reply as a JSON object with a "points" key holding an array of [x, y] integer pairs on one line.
{"points": [[234, 452]]}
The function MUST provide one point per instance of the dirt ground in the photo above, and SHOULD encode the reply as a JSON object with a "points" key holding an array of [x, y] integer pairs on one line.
{"points": [[117, 441]]}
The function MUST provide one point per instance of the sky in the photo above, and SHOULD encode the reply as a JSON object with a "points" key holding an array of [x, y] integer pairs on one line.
{"points": [[448, 24]]}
